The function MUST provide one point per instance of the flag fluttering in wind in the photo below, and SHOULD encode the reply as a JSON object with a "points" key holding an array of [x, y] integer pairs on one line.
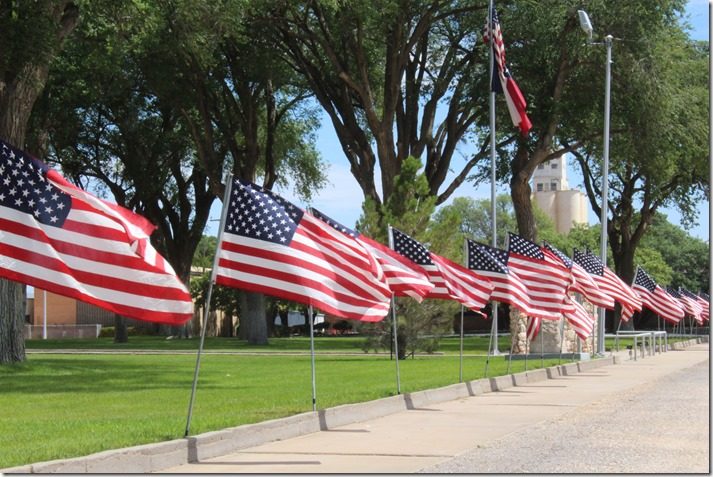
{"points": [[271, 246], [704, 301], [491, 263], [452, 281], [502, 81], [546, 278], [580, 319], [59, 238], [582, 281], [655, 298], [609, 283], [692, 302], [403, 276]]}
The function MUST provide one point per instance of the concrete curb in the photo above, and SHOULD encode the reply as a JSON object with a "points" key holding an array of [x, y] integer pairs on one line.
{"points": [[154, 457], [681, 345]]}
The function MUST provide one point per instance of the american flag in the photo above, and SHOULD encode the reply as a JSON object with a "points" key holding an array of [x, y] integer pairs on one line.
{"points": [[609, 282], [403, 276], [268, 245], [59, 238], [583, 282], [545, 277], [451, 281], [692, 301], [582, 322], [704, 300], [655, 298], [491, 263], [503, 82]]}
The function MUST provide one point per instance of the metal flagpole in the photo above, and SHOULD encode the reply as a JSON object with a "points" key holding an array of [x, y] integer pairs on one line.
{"points": [[490, 342], [561, 338], [542, 347], [460, 370], [396, 343], [527, 342], [493, 208], [44, 314], [512, 346], [605, 184], [394, 326], [311, 350], [214, 271]]}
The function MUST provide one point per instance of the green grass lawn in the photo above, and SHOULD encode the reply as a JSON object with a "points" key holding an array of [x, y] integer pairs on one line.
{"points": [[57, 406], [332, 344]]}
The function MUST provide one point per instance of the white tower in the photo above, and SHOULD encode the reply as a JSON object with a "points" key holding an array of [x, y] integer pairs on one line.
{"points": [[552, 194]]}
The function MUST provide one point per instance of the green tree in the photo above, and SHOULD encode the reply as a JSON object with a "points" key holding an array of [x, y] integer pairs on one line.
{"points": [[683, 254], [191, 88], [662, 159], [396, 79], [31, 35]]}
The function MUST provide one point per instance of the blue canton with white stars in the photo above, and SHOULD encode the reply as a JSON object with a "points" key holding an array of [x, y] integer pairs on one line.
{"points": [[521, 246], [334, 223], [673, 292], [589, 262], [565, 259], [687, 293], [260, 214], [644, 280], [487, 259], [24, 187], [410, 248]]}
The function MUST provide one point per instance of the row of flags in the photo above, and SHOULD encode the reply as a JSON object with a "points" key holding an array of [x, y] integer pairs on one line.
{"points": [[537, 280], [62, 239]]}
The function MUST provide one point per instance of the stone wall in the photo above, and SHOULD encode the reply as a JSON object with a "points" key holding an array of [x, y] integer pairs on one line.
{"points": [[551, 338]]}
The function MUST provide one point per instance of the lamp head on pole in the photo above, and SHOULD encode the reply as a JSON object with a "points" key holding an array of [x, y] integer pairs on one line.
{"points": [[585, 23]]}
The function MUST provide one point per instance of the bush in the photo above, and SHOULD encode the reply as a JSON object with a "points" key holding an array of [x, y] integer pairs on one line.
{"points": [[108, 331]]}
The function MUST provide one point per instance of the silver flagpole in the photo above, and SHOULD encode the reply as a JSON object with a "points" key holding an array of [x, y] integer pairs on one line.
{"points": [[562, 325], [542, 347], [394, 325], [214, 271], [396, 343], [311, 349], [527, 342], [493, 198], [462, 311], [460, 371]]}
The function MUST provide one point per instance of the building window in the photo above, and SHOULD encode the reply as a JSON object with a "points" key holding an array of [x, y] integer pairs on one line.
{"points": [[554, 165], [553, 185], [540, 187], [541, 166]]}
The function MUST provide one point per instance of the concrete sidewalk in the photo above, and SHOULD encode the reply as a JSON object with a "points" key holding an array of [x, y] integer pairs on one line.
{"points": [[407, 441]]}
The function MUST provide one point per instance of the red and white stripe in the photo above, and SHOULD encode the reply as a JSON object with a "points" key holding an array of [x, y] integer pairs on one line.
{"points": [[465, 286], [101, 255], [613, 286], [403, 276], [660, 303], [581, 321], [584, 284], [546, 282], [320, 267]]}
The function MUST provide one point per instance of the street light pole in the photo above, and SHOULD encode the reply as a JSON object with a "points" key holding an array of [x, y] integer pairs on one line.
{"points": [[605, 185]]}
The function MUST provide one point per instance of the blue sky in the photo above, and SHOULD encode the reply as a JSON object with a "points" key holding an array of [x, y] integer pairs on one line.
{"points": [[341, 199]]}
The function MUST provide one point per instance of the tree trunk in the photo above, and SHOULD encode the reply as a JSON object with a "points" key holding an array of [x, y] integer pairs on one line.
{"points": [[253, 326], [521, 193], [121, 331], [12, 340], [17, 98], [623, 254], [226, 329]]}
